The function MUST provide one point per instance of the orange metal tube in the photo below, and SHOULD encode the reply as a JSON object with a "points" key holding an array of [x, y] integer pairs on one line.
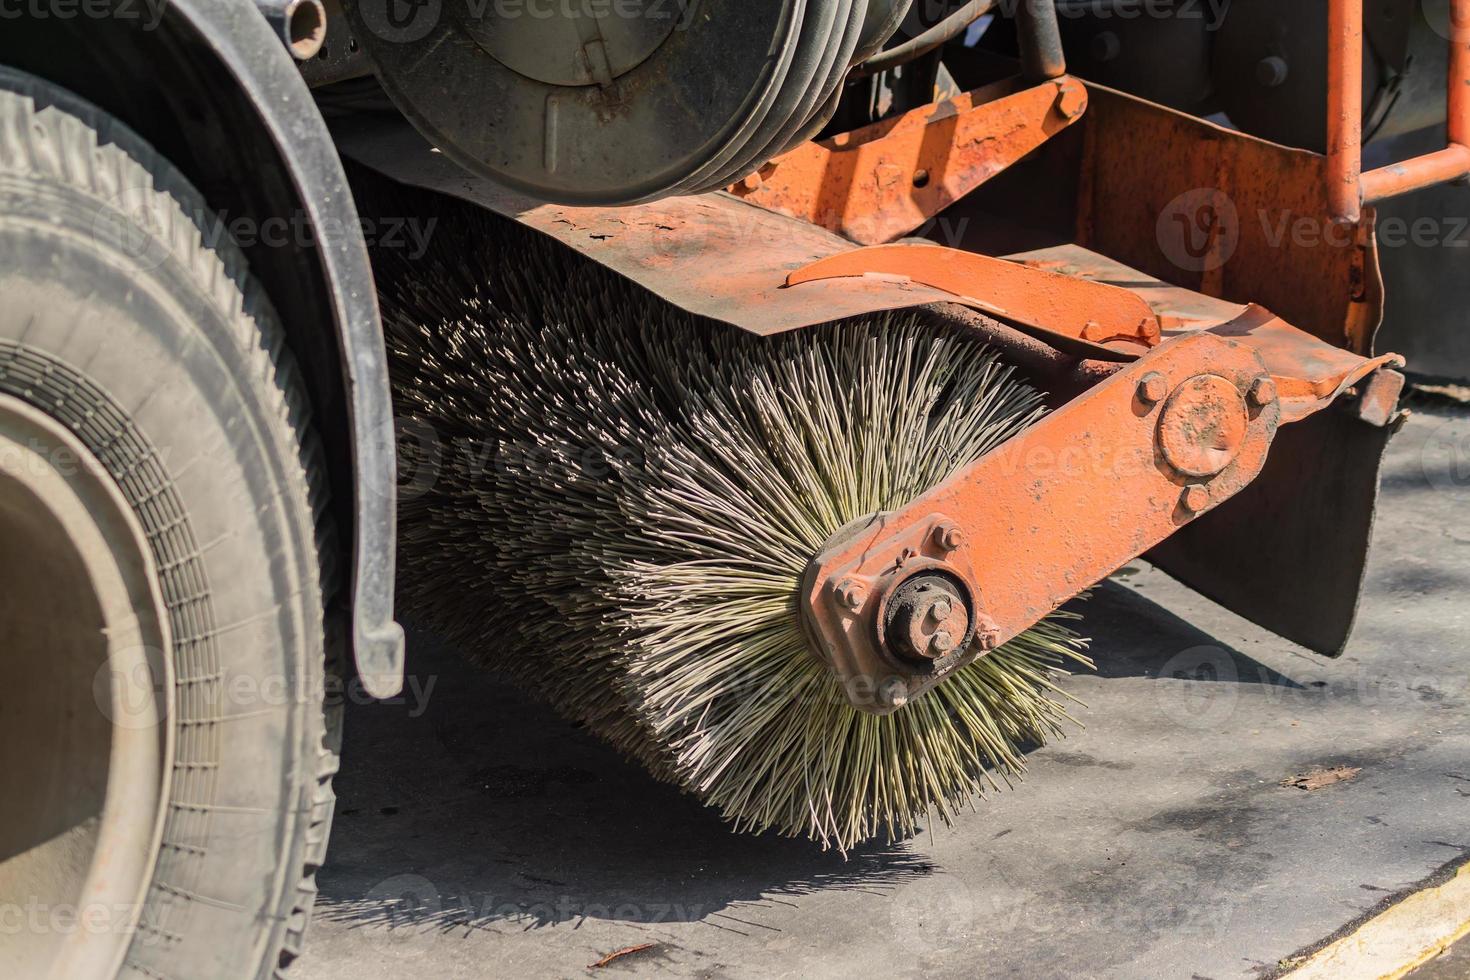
{"points": [[1345, 110], [1459, 101], [1453, 162], [1349, 188], [1439, 167]]}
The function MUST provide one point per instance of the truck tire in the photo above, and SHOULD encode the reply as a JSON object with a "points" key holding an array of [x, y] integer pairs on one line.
{"points": [[166, 745]]}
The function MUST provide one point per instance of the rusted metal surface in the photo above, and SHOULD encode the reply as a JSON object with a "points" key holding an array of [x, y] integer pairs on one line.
{"points": [[1348, 187], [1048, 514], [1062, 308], [711, 255], [1289, 552], [1226, 215], [883, 181], [1345, 110], [1309, 373], [1071, 295], [720, 258]]}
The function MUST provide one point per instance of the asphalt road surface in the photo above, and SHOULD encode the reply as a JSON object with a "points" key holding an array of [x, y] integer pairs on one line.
{"points": [[479, 836]]}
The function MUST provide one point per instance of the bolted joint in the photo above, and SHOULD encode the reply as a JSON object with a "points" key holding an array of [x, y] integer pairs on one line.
{"points": [[927, 618], [849, 593], [948, 536], [1263, 392], [1152, 388], [987, 633], [1195, 498], [894, 693]]}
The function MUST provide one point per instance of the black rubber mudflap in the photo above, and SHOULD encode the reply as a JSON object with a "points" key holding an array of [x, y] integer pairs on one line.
{"points": [[1289, 552]]}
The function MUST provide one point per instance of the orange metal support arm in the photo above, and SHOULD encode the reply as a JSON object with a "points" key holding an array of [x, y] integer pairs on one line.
{"points": [[1046, 515], [1350, 188]]}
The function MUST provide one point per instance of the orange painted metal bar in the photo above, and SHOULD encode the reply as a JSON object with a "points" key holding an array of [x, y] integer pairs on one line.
{"points": [[1345, 110], [1439, 167], [1049, 513], [1058, 306], [1349, 188], [878, 183]]}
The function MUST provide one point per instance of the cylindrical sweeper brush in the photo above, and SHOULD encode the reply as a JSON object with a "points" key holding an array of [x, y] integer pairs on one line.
{"points": [[614, 502]]}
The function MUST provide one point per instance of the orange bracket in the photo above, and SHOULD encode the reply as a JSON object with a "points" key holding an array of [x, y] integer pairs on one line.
{"points": [[1349, 188], [898, 602], [879, 183], [1056, 306]]}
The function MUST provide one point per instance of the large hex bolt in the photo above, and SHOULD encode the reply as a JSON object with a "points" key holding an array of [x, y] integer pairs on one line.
{"points": [[928, 618]]}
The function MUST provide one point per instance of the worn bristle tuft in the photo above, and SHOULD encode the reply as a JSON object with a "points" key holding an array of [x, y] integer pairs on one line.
{"points": [[614, 502]]}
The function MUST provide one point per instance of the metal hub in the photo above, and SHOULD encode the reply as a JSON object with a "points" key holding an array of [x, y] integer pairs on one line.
{"points": [[1204, 425], [84, 733], [928, 618], [574, 42]]}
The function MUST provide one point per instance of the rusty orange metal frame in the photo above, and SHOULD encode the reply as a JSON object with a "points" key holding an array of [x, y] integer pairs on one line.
{"points": [[1349, 188], [879, 183], [1050, 513], [1058, 307]]}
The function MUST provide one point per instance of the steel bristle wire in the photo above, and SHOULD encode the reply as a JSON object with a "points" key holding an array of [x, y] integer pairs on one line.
{"points": [[625, 498]]}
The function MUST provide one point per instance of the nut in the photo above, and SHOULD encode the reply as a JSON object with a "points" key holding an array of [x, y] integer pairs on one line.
{"points": [[894, 692], [850, 592], [1152, 388], [1263, 392], [1073, 100], [926, 618], [1195, 498], [948, 536], [987, 633]]}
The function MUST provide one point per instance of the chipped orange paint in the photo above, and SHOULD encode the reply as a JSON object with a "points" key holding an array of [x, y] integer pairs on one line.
{"points": [[1061, 307], [1348, 187], [881, 182], [1051, 512]]}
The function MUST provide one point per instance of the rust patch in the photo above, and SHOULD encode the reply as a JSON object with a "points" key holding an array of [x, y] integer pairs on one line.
{"points": [[1318, 777]]}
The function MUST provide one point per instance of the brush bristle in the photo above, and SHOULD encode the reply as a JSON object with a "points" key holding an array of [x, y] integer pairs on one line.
{"points": [[614, 502]]}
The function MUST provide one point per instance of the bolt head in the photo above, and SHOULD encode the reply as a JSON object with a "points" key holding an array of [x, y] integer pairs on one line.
{"points": [[1263, 392], [1073, 100], [1152, 388], [894, 692], [941, 644], [1195, 498], [1272, 71], [948, 536], [850, 593], [987, 633]]}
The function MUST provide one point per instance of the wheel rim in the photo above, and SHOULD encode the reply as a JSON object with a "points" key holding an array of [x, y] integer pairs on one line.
{"points": [[85, 742]]}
